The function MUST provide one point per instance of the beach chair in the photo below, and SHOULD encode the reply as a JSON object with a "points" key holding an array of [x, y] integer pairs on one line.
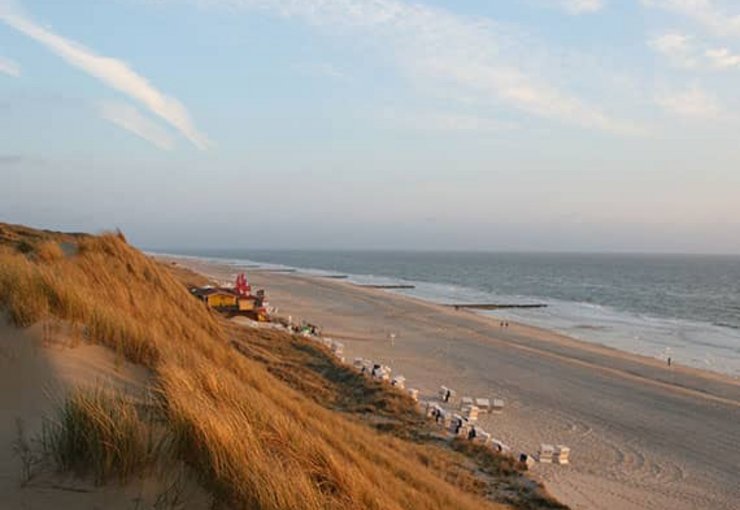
{"points": [[414, 394], [483, 404], [545, 453], [445, 419], [446, 394], [500, 446], [471, 413], [454, 424], [464, 430], [466, 402], [561, 455], [497, 406], [482, 437]]}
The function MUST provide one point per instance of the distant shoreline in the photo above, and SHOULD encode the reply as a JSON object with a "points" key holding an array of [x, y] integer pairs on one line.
{"points": [[606, 334]]}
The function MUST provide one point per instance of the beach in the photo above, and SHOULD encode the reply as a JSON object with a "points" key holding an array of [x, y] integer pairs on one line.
{"points": [[642, 435]]}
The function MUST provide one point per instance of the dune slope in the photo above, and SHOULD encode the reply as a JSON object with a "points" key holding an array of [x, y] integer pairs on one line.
{"points": [[252, 440]]}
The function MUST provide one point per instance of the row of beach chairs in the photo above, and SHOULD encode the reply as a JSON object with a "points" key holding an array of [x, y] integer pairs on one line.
{"points": [[549, 454], [470, 405], [462, 424], [383, 373]]}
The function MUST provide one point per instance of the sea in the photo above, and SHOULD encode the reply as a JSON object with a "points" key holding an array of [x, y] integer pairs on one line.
{"points": [[686, 307]]}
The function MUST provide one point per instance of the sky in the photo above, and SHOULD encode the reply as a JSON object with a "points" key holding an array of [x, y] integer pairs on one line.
{"points": [[532, 125]]}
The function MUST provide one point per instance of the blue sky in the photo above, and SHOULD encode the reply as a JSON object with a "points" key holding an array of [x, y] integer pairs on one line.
{"points": [[596, 125]]}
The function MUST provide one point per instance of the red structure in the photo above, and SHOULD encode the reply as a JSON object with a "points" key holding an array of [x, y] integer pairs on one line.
{"points": [[242, 287]]}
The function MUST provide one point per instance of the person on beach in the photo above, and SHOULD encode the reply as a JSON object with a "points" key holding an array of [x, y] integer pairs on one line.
{"points": [[669, 361]]}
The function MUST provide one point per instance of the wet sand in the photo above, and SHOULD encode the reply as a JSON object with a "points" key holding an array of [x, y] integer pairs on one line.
{"points": [[642, 435]]}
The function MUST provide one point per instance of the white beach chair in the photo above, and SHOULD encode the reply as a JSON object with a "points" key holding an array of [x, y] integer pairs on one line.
{"points": [[454, 423], [483, 404], [561, 455], [482, 437], [545, 454], [500, 446], [446, 394], [471, 413], [464, 430]]}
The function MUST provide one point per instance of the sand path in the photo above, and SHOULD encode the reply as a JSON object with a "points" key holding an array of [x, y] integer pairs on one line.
{"points": [[642, 435]]}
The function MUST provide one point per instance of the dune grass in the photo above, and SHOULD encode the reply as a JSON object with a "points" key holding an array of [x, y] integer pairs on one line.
{"points": [[104, 434], [253, 440]]}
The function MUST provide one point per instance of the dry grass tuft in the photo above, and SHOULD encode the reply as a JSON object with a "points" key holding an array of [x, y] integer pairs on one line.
{"points": [[103, 434], [255, 438], [48, 251]]}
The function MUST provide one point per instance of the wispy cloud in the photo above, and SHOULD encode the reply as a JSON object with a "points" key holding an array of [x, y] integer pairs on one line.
{"points": [[321, 69], [444, 121], [436, 46], [678, 48], [689, 53], [112, 72], [692, 102], [9, 67], [129, 118], [707, 13], [583, 6], [723, 58]]}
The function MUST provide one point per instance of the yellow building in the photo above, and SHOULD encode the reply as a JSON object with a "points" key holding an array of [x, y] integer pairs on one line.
{"points": [[218, 298], [247, 303]]}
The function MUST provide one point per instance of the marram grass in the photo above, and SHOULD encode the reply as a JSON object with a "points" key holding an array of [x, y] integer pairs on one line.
{"points": [[252, 440]]}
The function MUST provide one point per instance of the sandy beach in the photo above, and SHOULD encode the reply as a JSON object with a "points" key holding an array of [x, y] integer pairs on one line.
{"points": [[642, 435]]}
